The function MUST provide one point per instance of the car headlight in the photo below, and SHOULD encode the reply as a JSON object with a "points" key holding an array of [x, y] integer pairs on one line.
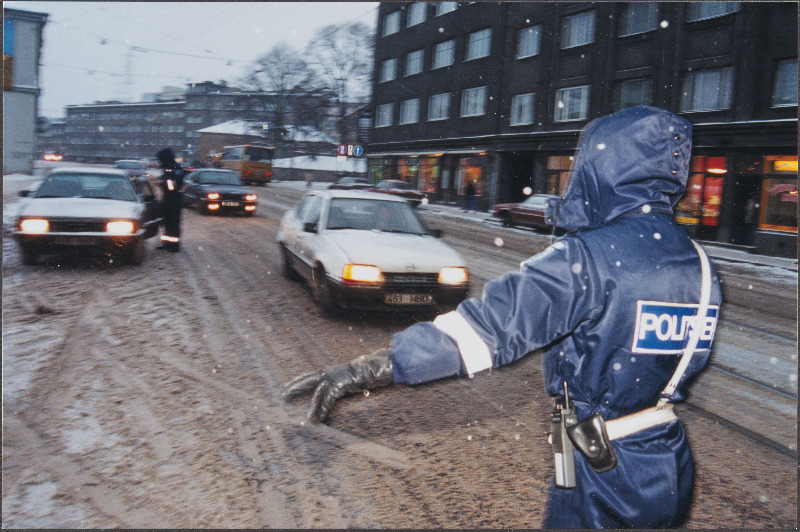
{"points": [[213, 195], [120, 228], [251, 197], [34, 225], [453, 275], [362, 273]]}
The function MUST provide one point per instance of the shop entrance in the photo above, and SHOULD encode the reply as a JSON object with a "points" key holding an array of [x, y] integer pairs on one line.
{"points": [[519, 175], [745, 210]]}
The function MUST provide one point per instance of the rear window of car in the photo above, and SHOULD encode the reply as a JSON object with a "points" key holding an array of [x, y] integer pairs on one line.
{"points": [[212, 177], [130, 165], [93, 186]]}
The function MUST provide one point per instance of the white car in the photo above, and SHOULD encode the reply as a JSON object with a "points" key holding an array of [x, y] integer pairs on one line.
{"points": [[78, 210], [366, 251]]}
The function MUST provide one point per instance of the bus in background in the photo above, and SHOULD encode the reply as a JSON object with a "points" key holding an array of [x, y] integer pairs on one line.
{"points": [[252, 162]]}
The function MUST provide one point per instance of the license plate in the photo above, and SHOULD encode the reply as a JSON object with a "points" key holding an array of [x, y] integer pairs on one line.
{"points": [[407, 299], [74, 240], [230, 203]]}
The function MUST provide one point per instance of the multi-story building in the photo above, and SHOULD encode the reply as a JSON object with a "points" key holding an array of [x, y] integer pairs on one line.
{"points": [[497, 94], [22, 46], [106, 131]]}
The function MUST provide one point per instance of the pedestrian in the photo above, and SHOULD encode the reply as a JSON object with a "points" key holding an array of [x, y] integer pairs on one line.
{"points": [[309, 179], [171, 183], [469, 197], [618, 303], [750, 219]]}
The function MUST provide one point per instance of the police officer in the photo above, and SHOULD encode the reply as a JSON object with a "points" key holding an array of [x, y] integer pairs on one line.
{"points": [[171, 183], [615, 302]]}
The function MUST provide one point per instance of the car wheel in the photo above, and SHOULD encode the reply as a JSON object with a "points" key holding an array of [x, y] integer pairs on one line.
{"points": [[29, 256], [135, 255], [321, 291], [202, 209], [286, 267], [507, 220]]}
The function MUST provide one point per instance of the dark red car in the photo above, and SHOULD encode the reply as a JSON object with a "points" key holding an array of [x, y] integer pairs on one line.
{"points": [[397, 187], [531, 212]]}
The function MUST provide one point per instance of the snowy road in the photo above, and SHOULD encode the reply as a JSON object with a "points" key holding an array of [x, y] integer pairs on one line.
{"points": [[147, 397]]}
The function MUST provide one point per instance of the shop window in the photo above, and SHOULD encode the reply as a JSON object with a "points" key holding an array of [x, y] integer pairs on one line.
{"points": [[471, 170], [558, 172], [407, 170], [779, 195], [378, 170], [429, 175], [701, 202]]}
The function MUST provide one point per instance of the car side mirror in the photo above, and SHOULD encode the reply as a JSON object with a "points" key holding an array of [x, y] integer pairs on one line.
{"points": [[24, 193], [310, 227], [436, 233]]}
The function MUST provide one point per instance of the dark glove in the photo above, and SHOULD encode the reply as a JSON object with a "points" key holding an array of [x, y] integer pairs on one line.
{"points": [[364, 373]]}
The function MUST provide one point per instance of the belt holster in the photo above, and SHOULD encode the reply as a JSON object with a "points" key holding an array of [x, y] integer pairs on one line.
{"points": [[591, 439]]}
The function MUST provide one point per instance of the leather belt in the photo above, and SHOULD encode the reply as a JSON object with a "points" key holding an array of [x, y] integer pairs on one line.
{"points": [[638, 421]]}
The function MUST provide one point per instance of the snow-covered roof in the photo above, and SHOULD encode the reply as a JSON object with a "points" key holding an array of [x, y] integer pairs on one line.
{"points": [[323, 163], [234, 127]]}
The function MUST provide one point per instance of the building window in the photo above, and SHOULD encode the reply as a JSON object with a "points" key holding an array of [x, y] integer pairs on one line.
{"points": [[444, 54], [707, 90], [439, 106], [479, 44], [577, 30], [638, 17], [414, 62], [703, 10], [391, 23], [416, 13], [445, 7], [383, 117], [785, 91], [529, 41], [388, 70], [572, 103], [631, 93], [473, 101], [522, 109], [409, 111]]}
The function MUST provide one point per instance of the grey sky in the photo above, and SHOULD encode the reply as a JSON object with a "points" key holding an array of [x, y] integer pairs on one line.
{"points": [[96, 51]]}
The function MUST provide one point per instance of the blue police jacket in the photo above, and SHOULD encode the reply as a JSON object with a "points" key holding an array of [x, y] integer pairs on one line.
{"points": [[610, 300]]}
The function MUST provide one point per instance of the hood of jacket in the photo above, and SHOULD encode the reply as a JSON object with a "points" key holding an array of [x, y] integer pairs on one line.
{"points": [[167, 158], [633, 160]]}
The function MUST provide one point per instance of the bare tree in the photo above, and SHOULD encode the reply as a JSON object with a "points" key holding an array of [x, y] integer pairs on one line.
{"points": [[282, 74], [342, 58]]}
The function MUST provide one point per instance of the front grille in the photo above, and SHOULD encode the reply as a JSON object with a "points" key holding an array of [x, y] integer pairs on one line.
{"points": [[77, 226], [411, 280], [231, 197]]}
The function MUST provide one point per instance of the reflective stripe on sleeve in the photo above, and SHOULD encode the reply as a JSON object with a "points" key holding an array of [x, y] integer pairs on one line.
{"points": [[474, 351]]}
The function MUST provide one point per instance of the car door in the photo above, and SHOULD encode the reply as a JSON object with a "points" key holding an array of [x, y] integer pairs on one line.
{"points": [[292, 229], [190, 186], [152, 207], [309, 237]]}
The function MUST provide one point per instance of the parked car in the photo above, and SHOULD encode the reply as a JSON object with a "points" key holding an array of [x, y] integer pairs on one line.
{"points": [[133, 168], [396, 187], [76, 209], [351, 183], [364, 251], [531, 212], [217, 190]]}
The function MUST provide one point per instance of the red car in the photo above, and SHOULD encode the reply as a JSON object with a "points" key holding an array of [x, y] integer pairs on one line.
{"points": [[531, 212], [397, 187]]}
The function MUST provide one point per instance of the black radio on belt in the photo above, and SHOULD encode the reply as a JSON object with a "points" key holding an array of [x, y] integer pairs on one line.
{"points": [[563, 451]]}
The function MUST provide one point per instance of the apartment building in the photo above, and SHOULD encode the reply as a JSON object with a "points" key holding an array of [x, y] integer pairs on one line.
{"points": [[497, 94]]}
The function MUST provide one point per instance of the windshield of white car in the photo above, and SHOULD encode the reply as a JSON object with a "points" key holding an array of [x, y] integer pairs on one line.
{"points": [[374, 215], [218, 178], [94, 186]]}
